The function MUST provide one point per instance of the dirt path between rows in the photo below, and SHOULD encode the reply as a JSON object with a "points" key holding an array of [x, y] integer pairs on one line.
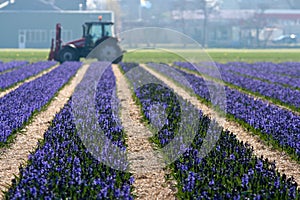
{"points": [[26, 140], [3, 93], [146, 166], [284, 163]]}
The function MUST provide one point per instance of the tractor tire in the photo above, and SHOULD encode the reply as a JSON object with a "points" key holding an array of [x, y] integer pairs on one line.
{"points": [[109, 50], [68, 54]]}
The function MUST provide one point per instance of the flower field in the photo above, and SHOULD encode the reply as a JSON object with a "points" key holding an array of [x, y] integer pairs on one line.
{"points": [[279, 86], [19, 105], [26, 71], [62, 167], [270, 121], [229, 171], [11, 65], [68, 162]]}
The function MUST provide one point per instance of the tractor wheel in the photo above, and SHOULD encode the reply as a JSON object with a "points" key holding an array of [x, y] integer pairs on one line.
{"points": [[68, 54], [109, 50]]}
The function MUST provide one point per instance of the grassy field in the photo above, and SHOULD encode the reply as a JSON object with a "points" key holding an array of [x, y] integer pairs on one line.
{"points": [[31, 55], [142, 56]]}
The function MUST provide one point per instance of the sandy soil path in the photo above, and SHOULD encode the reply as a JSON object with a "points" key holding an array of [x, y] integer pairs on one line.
{"points": [[146, 166]]}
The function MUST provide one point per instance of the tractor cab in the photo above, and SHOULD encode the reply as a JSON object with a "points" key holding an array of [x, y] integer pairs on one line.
{"points": [[93, 31]]}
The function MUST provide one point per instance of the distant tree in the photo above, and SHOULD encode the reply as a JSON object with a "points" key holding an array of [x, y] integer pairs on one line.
{"points": [[208, 7], [259, 22], [115, 7]]}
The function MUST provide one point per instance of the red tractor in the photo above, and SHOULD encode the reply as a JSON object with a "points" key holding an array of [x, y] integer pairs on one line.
{"points": [[97, 42]]}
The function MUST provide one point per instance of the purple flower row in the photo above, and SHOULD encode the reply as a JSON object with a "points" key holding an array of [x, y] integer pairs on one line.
{"points": [[18, 106], [10, 78], [272, 122], [63, 167], [107, 105], [11, 65], [264, 71], [228, 171], [161, 111], [291, 69], [105, 139], [274, 91]]}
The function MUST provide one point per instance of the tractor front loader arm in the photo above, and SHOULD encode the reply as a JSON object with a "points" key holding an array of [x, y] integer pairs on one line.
{"points": [[53, 55]]}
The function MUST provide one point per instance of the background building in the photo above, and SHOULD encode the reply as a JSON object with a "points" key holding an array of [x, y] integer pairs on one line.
{"points": [[213, 23], [220, 23], [31, 24]]}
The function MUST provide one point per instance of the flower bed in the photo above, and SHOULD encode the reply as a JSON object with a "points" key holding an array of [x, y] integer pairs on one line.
{"points": [[229, 171], [11, 78], [11, 65], [63, 168], [276, 125], [277, 92], [17, 107]]}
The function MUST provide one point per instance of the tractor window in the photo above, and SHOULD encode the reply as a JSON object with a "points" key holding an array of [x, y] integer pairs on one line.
{"points": [[95, 32], [108, 30]]}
